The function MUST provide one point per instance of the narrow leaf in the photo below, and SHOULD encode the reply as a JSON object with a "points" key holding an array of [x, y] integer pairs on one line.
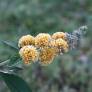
{"points": [[15, 83], [10, 44]]}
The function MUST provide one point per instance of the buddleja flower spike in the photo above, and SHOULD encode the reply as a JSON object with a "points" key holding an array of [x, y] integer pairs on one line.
{"points": [[45, 47]]}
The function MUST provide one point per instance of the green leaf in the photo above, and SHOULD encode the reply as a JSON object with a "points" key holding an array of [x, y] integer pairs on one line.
{"points": [[10, 44], [14, 59], [15, 83], [15, 63], [12, 65]]}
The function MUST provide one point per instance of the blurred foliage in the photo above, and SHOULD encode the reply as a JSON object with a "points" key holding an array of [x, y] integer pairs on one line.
{"points": [[72, 72]]}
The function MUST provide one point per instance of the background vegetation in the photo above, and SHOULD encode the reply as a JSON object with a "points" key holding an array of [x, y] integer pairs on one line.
{"points": [[70, 73]]}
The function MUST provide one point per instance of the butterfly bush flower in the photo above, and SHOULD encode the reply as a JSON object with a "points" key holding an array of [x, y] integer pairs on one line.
{"points": [[42, 40], [26, 40], [58, 35], [46, 56], [44, 47], [29, 54]]}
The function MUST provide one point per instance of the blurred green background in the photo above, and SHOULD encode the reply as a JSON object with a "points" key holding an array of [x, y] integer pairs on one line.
{"points": [[72, 72]]}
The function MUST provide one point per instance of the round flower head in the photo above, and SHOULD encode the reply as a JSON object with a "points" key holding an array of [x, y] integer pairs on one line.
{"points": [[29, 54], [60, 45], [46, 56], [26, 40], [42, 40], [58, 35]]}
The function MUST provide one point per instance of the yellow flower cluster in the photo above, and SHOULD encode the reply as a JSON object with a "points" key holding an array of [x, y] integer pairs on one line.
{"points": [[58, 35], [29, 54], [46, 56], [42, 48], [26, 40], [42, 40], [59, 44]]}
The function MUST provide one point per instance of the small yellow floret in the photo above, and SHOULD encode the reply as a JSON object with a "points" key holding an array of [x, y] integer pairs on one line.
{"points": [[42, 40], [60, 45], [29, 54], [58, 35], [46, 56], [26, 40]]}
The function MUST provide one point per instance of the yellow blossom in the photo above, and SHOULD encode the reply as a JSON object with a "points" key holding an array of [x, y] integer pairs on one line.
{"points": [[42, 40], [29, 54], [58, 35], [26, 40], [46, 56], [60, 45]]}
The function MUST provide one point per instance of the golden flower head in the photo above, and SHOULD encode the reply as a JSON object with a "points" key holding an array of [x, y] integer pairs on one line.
{"points": [[60, 45], [29, 54], [26, 40], [46, 56], [58, 35], [42, 40]]}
